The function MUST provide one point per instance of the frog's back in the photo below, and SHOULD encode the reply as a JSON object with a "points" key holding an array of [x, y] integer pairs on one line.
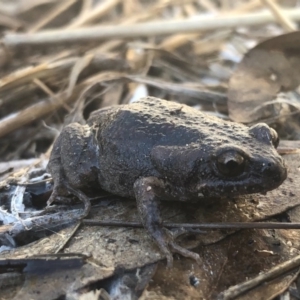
{"points": [[151, 122]]}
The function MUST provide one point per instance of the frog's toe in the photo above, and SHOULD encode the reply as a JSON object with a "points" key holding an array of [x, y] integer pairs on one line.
{"points": [[54, 197], [179, 232], [82, 197], [175, 248], [168, 254], [61, 191], [184, 252], [167, 245]]}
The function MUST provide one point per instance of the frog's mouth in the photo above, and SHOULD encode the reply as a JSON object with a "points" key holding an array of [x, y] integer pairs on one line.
{"points": [[250, 185], [206, 191]]}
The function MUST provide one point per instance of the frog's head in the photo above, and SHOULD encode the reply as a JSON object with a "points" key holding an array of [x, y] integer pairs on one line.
{"points": [[237, 161], [250, 164]]}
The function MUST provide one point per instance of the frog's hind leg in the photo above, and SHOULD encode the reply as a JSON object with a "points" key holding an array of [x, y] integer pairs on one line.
{"points": [[148, 191], [68, 162], [59, 192]]}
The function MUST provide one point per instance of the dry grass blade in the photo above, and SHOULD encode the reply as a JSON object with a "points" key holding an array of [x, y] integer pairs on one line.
{"points": [[45, 107], [280, 16], [45, 19], [22, 76], [80, 64], [95, 13], [47, 69], [184, 89], [10, 22]]}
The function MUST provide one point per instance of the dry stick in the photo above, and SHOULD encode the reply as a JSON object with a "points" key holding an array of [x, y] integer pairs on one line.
{"points": [[280, 269], [285, 22], [232, 225], [143, 29]]}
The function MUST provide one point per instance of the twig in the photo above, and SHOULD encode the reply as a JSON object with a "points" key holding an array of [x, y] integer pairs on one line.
{"points": [[143, 29], [280, 269], [285, 21], [232, 225]]}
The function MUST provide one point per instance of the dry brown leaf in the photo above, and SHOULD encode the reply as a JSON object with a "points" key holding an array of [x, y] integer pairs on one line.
{"points": [[271, 67]]}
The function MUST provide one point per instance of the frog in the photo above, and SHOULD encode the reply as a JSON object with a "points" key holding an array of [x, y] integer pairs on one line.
{"points": [[156, 150]]}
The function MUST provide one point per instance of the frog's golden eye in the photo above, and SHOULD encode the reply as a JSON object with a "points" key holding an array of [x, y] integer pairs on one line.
{"points": [[231, 163]]}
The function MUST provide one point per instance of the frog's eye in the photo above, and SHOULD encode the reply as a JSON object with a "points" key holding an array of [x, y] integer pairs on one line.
{"points": [[275, 138], [265, 134], [230, 163]]}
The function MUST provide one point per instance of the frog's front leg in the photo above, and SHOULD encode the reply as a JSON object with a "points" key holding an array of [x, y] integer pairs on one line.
{"points": [[148, 191]]}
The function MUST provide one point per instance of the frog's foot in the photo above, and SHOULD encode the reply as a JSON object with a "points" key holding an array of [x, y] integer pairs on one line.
{"points": [[174, 247], [148, 191], [59, 194]]}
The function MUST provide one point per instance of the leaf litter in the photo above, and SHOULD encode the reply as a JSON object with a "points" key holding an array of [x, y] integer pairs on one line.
{"points": [[52, 78]]}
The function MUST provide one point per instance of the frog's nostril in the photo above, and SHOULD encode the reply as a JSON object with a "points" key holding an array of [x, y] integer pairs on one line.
{"points": [[275, 170]]}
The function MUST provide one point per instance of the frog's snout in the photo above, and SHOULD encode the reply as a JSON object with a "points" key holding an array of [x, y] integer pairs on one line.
{"points": [[276, 170]]}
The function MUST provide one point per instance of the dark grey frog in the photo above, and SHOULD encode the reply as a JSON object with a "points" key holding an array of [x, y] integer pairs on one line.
{"points": [[155, 150]]}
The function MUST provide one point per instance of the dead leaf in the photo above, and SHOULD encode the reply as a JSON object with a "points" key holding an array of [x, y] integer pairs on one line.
{"points": [[271, 67]]}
